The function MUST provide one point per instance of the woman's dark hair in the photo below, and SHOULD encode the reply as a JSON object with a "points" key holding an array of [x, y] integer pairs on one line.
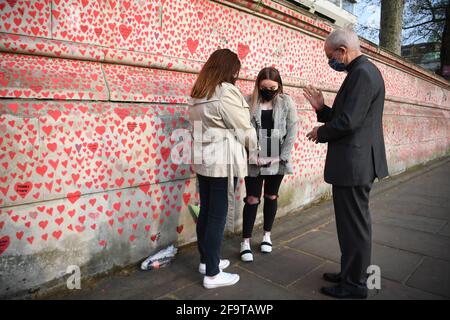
{"points": [[222, 66], [268, 73]]}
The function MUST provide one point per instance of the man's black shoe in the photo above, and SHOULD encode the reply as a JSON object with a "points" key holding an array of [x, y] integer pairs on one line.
{"points": [[332, 277], [341, 292]]}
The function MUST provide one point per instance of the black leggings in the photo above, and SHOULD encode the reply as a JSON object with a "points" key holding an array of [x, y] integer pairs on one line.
{"points": [[253, 187]]}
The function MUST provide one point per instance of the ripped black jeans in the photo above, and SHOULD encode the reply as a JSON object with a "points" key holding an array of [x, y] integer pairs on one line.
{"points": [[254, 187]]}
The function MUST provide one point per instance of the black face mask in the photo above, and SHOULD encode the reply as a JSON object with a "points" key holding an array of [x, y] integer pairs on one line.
{"points": [[267, 94]]}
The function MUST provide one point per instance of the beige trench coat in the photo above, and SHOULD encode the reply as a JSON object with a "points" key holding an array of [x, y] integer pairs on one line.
{"points": [[222, 134]]}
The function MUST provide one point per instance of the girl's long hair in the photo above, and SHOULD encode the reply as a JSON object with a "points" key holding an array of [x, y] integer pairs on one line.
{"points": [[222, 66], [268, 73]]}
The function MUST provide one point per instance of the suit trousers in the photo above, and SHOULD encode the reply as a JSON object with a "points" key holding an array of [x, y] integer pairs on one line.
{"points": [[354, 229]]}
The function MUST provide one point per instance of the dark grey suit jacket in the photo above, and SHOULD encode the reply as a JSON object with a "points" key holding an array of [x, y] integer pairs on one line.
{"points": [[354, 128]]}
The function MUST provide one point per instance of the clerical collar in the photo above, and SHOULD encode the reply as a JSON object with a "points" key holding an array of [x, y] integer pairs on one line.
{"points": [[355, 62]]}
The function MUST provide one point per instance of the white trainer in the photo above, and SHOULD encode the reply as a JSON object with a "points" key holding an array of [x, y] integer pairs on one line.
{"points": [[266, 245], [223, 264], [246, 252], [223, 279]]}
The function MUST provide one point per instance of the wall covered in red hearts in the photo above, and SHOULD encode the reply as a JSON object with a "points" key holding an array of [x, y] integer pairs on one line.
{"points": [[92, 90]]}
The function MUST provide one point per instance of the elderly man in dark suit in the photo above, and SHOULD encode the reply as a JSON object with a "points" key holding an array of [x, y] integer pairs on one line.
{"points": [[356, 156]]}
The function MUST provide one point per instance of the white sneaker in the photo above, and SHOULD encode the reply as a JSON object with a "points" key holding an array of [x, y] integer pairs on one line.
{"points": [[266, 245], [246, 252], [223, 279], [223, 264]]}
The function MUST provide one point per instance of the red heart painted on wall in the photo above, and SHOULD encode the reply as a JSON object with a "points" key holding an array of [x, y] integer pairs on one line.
{"points": [[243, 50], [4, 244], [55, 114], [122, 112], [154, 237], [73, 197], [131, 126], [98, 31], [57, 234], [125, 31], [165, 152], [144, 187], [192, 45], [186, 197], [100, 130], [93, 146], [23, 188], [12, 3]]}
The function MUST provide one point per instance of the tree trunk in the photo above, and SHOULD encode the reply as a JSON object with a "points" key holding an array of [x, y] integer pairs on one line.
{"points": [[445, 46], [391, 24]]}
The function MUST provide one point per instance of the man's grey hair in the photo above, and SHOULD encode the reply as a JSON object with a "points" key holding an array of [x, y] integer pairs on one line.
{"points": [[344, 37]]}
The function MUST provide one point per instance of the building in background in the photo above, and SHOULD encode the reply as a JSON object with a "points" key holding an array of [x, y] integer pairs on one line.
{"points": [[426, 55], [339, 12]]}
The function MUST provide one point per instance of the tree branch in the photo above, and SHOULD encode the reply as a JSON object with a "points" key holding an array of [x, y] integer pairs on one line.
{"points": [[423, 23]]}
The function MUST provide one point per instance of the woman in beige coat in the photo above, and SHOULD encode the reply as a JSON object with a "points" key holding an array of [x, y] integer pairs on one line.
{"points": [[222, 137]]}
